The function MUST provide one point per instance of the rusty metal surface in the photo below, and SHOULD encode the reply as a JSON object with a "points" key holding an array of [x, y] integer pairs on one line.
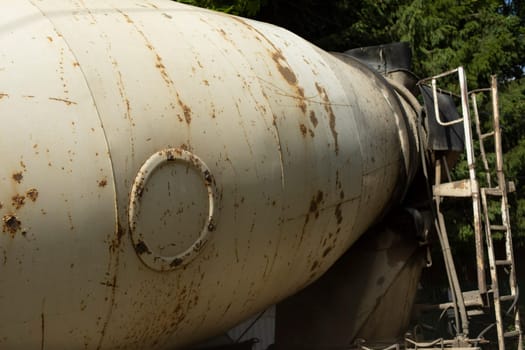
{"points": [[305, 152]]}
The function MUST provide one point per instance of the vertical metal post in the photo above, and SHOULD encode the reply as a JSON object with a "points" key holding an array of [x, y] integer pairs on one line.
{"points": [[497, 133], [476, 208], [481, 139]]}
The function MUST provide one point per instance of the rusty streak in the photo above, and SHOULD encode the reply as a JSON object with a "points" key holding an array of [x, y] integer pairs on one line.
{"points": [[313, 119], [331, 115], [285, 71], [32, 194], [185, 109], [67, 102], [338, 214], [303, 129], [43, 327], [326, 251]]}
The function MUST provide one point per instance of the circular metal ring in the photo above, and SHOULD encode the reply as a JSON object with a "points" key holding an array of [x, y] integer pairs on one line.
{"points": [[149, 257]]}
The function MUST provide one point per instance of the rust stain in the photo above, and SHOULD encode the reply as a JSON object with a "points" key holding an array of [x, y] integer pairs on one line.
{"points": [[18, 201], [32, 194], [338, 214], [50, 39], [1, 205], [18, 177], [285, 71], [176, 262], [102, 183], [115, 242], [43, 329], [160, 66], [460, 185], [66, 101], [303, 129], [302, 104], [158, 60], [141, 248], [11, 224], [186, 110], [288, 75], [314, 204], [126, 17], [2, 95], [331, 115], [326, 251], [313, 118]]}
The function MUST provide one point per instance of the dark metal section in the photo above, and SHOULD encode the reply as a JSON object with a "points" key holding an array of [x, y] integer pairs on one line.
{"points": [[378, 276], [384, 58], [442, 138]]}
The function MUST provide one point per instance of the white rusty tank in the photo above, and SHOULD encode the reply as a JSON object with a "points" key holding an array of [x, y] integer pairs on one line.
{"points": [[167, 171]]}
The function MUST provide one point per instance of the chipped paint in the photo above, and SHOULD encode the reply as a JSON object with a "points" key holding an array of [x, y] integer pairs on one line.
{"points": [[18, 201], [11, 224], [18, 177]]}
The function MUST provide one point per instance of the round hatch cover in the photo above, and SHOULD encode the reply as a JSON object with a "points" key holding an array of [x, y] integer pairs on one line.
{"points": [[171, 211]]}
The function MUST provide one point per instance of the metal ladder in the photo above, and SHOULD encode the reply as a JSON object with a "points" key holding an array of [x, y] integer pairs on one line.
{"points": [[481, 199], [498, 193], [462, 188]]}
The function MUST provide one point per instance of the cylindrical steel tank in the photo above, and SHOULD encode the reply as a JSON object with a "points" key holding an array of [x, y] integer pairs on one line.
{"points": [[167, 171]]}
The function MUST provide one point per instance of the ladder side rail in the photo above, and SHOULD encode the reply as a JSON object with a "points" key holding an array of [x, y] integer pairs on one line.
{"points": [[460, 311], [493, 273], [504, 202], [476, 205], [481, 139]]}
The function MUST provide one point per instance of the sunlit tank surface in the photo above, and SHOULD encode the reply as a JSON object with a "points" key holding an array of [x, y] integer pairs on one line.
{"points": [[167, 171]]}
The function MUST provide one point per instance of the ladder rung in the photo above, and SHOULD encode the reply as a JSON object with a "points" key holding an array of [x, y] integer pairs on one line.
{"points": [[493, 191], [503, 262], [460, 188], [507, 297], [511, 334], [475, 312], [488, 134], [496, 191], [498, 227]]}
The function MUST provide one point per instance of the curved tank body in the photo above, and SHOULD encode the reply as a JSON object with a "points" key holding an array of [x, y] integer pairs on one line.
{"points": [[168, 171]]}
